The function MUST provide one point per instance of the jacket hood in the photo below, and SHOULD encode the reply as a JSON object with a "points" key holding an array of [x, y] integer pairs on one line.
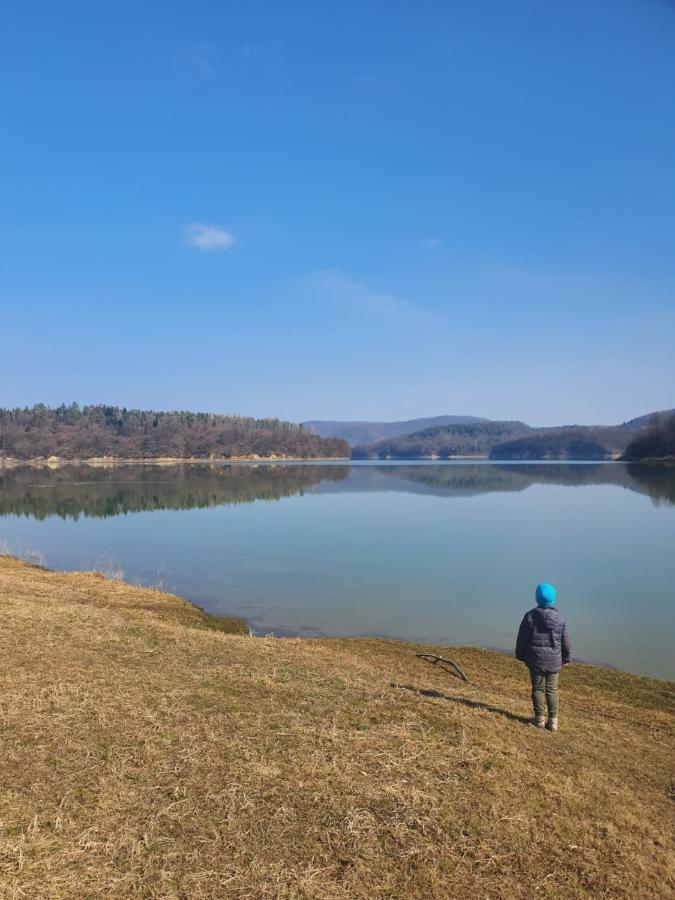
{"points": [[545, 595]]}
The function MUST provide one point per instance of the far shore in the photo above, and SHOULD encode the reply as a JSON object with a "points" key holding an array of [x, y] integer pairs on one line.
{"points": [[102, 462], [660, 460], [56, 462]]}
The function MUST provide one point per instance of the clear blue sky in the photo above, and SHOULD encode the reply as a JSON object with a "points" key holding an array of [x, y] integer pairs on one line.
{"points": [[340, 210]]}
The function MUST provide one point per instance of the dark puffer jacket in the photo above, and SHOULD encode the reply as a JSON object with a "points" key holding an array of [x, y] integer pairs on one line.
{"points": [[543, 641]]}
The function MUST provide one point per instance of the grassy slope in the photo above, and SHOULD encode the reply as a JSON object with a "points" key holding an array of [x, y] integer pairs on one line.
{"points": [[145, 754]]}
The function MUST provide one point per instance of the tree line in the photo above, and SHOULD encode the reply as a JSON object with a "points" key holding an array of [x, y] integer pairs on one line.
{"points": [[443, 441], [74, 432], [657, 441]]}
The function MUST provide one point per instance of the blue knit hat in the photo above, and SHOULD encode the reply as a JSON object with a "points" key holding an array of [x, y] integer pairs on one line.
{"points": [[545, 595]]}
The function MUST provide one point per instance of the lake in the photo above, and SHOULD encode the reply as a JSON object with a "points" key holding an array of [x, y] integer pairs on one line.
{"points": [[447, 553]]}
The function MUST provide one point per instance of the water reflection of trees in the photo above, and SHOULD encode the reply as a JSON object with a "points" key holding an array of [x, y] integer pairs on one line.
{"points": [[80, 490], [484, 479], [73, 491], [657, 481], [469, 479]]}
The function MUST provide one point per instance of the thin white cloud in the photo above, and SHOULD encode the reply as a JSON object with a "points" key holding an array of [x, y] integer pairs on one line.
{"points": [[207, 237], [344, 291]]}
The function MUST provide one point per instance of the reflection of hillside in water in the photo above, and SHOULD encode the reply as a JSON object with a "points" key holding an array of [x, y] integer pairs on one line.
{"points": [[468, 480], [74, 491], [657, 481], [81, 490]]}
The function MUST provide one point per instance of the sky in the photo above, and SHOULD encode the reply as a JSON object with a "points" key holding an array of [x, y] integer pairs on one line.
{"points": [[353, 210]]}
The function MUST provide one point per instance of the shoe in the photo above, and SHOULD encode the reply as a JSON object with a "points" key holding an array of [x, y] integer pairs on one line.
{"points": [[552, 724], [538, 722]]}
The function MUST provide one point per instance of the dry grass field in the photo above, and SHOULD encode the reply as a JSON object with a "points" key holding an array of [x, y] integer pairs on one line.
{"points": [[147, 753]]}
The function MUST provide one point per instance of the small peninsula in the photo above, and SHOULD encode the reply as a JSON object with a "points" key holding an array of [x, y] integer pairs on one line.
{"points": [[112, 435]]}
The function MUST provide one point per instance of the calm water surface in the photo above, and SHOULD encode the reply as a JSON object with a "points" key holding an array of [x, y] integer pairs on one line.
{"points": [[446, 553]]}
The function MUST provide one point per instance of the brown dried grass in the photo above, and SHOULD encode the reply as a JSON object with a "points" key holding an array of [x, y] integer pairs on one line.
{"points": [[147, 755]]}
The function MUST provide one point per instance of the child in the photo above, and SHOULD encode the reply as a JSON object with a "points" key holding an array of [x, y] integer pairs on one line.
{"points": [[543, 644]]}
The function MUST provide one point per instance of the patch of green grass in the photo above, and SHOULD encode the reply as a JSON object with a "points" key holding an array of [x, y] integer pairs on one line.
{"points": [[226, 624]]}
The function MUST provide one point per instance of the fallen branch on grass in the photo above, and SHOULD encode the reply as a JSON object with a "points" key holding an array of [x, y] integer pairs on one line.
{"points": [[431, 657]]}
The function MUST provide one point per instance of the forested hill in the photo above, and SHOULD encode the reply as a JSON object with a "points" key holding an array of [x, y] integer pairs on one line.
{"points": [[468, 439], [646, 435], [513, 440], [73, 432], [656, 441], [360, 433]]}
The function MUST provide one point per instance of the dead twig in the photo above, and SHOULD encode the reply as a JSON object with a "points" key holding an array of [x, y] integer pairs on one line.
{"points": [[433, 658]]}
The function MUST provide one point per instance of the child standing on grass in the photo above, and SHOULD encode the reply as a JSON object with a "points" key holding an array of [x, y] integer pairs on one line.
{"points": [[543, 644]]}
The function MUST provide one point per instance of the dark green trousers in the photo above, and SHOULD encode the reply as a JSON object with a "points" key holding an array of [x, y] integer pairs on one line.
{"points": [[544, 692]]}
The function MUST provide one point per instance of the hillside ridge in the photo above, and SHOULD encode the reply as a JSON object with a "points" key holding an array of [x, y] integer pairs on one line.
{"points": [[509, 440], [111, 433], [365, 432]]}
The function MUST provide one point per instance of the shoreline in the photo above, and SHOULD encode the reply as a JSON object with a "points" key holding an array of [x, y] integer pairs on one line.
{"points": [[282, 634], [240, 625], [109, 462], [651, 460], [102, 462], [150, 752]]}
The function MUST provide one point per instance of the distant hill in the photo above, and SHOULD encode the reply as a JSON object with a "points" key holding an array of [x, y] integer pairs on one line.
{"points": [[655, 441], [582, 442], [475, 438], [510, 440], [356, 433], [647, 419], [81, 433], [567, 443], [71, 432]]}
